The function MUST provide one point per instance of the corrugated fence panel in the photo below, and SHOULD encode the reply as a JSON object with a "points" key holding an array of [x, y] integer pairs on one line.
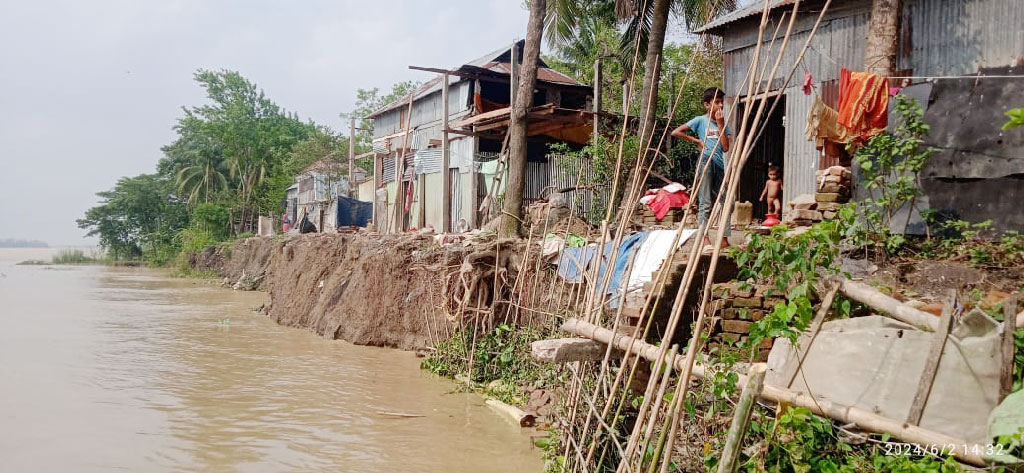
{"points": [[838, 43], [538, 177], [953, 37], [573, 172], [428, 161], [388, 169], [801, 159]]}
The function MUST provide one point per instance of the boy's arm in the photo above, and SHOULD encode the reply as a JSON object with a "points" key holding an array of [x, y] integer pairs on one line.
{"points": [[764, 192], [680, 132]]}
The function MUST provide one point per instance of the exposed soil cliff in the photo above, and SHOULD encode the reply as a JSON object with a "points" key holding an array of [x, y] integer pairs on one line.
{"points": [[369, 291]]}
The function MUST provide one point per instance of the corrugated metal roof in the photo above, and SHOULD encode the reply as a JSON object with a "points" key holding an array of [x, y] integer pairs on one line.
{"points": [[750, 10], [496, 62]]}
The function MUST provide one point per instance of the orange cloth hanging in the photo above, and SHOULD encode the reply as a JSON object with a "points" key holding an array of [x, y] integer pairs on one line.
{"points": [[863, 102]]}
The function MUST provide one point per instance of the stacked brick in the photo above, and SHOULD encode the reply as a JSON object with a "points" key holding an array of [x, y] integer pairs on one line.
{"points": [[739, 308], [646, 217], [833, 189]]}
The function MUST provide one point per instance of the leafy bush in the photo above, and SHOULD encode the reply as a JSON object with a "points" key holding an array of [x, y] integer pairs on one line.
{"points": [[891, 165], [194, 239], [502, 355], [71, 256]]}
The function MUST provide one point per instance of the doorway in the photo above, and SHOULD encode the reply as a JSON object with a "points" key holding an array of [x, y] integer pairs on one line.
{"points": [[768, 150]]}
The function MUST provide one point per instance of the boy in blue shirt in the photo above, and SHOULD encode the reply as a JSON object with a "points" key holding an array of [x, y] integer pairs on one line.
{"points": [[712, 140]]}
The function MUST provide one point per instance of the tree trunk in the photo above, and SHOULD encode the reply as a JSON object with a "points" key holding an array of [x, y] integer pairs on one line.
{"points": [[652, 70], [648, 92], [512, 208], [883, 37]]}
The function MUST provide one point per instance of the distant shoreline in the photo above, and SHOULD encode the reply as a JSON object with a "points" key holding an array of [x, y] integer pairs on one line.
{"points": [[13, 243]]}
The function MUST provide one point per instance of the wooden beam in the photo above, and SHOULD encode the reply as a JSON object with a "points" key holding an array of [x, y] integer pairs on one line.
{"points": [[480, 117], [446, 175], [931, 364], [1009, 327], [352, 157]]}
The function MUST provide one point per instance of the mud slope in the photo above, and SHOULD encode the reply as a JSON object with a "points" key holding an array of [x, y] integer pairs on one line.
{"points": [[368, 291]]}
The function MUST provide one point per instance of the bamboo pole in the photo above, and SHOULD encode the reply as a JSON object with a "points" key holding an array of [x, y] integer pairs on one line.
{"points": [[741, 419], [931, 364], [863, 419], [1007, 348], [871, 297]]}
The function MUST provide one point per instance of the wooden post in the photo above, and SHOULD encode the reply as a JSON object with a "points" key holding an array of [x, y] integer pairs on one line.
{"points": [[446, 175], [512, 74], [741, 419], [378, 171], [1009, 326], [931, 365], [352, 157], [400, 196], [597, 99]]}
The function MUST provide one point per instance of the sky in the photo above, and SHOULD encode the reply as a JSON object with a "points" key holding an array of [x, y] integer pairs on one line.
{"points": [[89, 91]]}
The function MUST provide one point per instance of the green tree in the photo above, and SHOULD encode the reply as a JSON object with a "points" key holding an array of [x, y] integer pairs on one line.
{"points": [[254, 136], [139, 217], [201, 174], [371, 100]]}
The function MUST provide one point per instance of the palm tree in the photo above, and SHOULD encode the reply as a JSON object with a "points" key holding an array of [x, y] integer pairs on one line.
{"points": [[204, 176]]}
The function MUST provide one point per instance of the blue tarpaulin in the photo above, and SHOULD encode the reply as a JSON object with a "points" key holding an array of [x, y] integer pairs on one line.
{"points": [[353, 213], [625, 254], [574, 261]]}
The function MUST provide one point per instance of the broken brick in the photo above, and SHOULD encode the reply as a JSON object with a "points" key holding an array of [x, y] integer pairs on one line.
{"points": [[828, 197], [736, 326], [747, 302]]}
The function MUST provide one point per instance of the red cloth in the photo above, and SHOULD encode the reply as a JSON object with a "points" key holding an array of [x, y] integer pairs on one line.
{"points": [[665, 200], [863, 102], [808, 83]]}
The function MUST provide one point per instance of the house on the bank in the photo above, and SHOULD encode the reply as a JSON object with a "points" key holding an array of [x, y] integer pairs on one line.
{"points": [[965, 64], [411, 131], [321, 191]]}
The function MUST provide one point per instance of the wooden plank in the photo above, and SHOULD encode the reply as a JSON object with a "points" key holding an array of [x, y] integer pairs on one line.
{"points": [[826, 305], [1009, 327], [931, 365], [480, 117]]}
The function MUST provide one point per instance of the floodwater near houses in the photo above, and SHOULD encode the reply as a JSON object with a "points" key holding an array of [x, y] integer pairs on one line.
{"points": [[127, 369]]}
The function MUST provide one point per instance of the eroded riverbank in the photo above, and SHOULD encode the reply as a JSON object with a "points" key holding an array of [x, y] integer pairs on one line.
{"points": [[130, 369]]}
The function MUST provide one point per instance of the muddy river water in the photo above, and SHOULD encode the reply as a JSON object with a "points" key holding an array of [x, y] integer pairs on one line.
{"points": [[106, 369]]}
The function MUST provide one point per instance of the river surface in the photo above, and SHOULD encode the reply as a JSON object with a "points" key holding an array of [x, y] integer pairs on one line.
{"points": [[108, 369]]}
